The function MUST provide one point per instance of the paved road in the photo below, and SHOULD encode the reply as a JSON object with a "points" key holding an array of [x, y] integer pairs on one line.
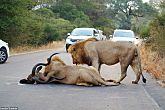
{"points": [[127, 96]]}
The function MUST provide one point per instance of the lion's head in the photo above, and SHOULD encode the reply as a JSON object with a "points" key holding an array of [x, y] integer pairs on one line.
{"points": [[55, 62], [78, 53]]}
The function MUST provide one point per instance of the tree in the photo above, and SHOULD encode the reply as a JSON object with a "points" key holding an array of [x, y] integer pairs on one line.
{"points": [[36, 22], [162, 6], [83, 13], [66, 10], [157, 30], [12, 15], [124, 10], [56, 29], [20, 24]]}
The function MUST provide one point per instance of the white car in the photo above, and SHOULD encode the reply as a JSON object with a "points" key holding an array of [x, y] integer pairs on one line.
{"points": [[79, 34], [4, 51], [124, 35]]}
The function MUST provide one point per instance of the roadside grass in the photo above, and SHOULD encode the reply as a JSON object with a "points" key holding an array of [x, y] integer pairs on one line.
{"points": [[25, 49], [153, 63]]}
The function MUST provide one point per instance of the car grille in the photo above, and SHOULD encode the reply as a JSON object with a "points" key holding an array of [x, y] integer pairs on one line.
{"points": [[75, 40]]}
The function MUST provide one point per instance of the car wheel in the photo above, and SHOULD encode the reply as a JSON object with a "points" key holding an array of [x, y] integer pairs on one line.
{"points": [[3, 56], [67, 46]]}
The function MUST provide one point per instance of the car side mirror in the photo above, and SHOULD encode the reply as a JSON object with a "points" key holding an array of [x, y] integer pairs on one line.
{"points": [[68, 34]]}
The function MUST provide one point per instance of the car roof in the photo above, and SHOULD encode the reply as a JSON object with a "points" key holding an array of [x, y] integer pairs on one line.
{"points": [[85, 28]]}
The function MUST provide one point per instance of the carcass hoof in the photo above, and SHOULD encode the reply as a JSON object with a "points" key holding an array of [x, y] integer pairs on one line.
{"points": [[25, 81]]}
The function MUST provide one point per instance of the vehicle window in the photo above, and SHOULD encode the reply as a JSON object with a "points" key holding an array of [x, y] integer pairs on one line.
{"points": [[123, 34], [81, 33]]}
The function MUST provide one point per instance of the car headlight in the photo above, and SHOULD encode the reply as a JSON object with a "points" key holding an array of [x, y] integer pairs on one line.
{"points": [[70, 39], [73, 40]]}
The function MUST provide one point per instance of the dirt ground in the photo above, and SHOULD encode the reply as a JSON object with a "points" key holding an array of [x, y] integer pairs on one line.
{"points": [[24, 49]]}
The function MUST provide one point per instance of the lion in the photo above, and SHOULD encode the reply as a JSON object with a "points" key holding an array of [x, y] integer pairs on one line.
{"points": [[58, 71], [96, 53]]}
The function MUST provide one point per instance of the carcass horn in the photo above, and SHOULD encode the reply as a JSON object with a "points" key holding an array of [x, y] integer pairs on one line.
{"points": [[42, 64]]}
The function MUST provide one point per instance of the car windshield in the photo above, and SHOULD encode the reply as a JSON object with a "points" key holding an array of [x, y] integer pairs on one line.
{"points": [[78, 32], [123, 34]]}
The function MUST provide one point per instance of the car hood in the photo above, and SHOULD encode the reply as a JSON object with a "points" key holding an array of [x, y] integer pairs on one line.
{"points": [[3, 42], [123, 39], [79, 37]]}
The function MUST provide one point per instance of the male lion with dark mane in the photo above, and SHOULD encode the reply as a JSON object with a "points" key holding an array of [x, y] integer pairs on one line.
{"points": [[57, 71], [94, 53]]}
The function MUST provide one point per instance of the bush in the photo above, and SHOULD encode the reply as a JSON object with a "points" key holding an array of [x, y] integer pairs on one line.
{"points": [[145, 32], [58, 28], [157, 32]]}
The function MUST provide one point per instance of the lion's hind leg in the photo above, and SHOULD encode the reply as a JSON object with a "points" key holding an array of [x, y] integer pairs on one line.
{"points": [[136, 70], [107, 82], [101, 81], [88, 78]]}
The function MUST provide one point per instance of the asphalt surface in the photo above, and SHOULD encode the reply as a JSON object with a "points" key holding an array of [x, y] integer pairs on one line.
{"points": [[127, 96]]}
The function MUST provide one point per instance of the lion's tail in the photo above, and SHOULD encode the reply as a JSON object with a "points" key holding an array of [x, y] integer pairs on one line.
{"points": [[144, 79], [139, 64]]}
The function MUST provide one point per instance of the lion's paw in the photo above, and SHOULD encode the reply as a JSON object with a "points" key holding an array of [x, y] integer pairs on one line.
{"points": [[134, 82]]}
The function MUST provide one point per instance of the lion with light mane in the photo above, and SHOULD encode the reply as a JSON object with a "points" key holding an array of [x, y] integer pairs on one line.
{"points": [[95, 53]]}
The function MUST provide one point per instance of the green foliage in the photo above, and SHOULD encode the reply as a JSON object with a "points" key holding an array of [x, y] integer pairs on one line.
{"points": [[21, 23], [123, 11], [144, 32], [84, 13], [45, 13], [66, 10], [106, 25], [82, 20], [56, 29], [157, 32], [12, 13]]}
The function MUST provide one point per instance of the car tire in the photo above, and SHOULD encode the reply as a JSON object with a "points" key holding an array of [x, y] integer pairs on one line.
{"points": [[3, 56], [67, 46]]}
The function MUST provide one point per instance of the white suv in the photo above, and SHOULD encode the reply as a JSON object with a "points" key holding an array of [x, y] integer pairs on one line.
{"points": [[124, 35], [4, 51], [79, 34]]}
